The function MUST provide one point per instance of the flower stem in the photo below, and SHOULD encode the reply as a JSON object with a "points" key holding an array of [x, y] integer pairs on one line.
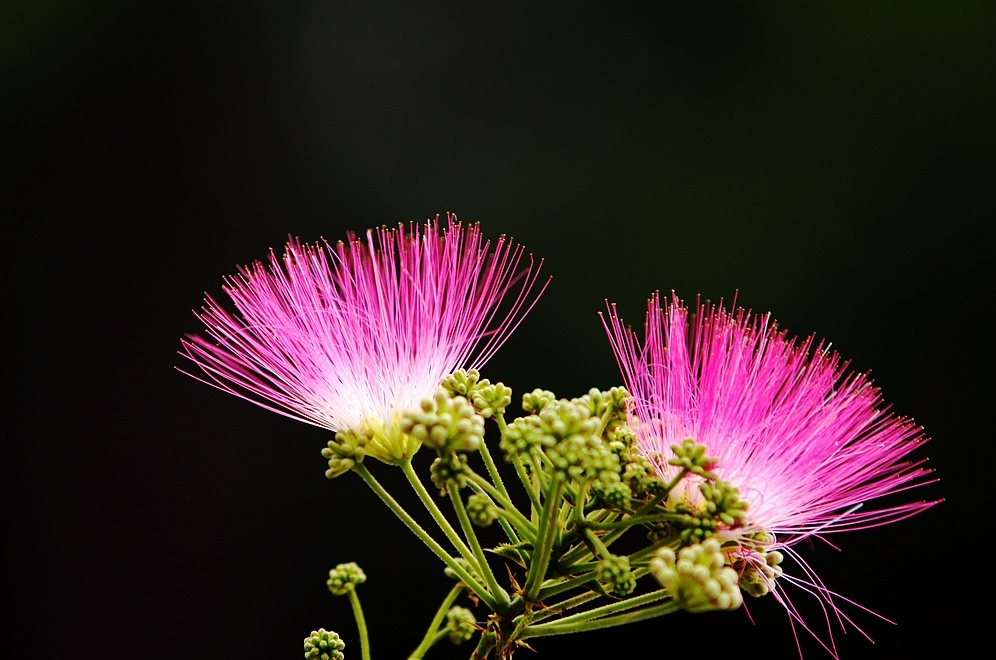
{"points": [[468, 530], [607, 622], [471, 583], [437, 515], [525, 527], [361, 624], [493, 470], [544, 540], [433, 634]]}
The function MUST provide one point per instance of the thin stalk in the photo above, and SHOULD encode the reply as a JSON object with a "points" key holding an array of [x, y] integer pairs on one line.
{"points": [[432, 635], [581, 626], [613, 608], [493, 470], [525, 527], [437, 515], [635, 520], [566, 585], [565, 605], [361, 624], [484, 646], [544, 541], [468, 531], [597, 542], [471, 583], [529, 484]]}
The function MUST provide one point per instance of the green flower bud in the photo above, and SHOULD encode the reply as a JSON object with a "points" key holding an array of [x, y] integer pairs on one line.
{"points": [[463, 383], [613, 496], [537, 400], [723, 501], [698, 578], [344, 577], [449, 468], [345, 451], [692, 456], [614, 403], [461, 623], [524, 437], [445, 423], [323, 645], [492, 400], [481, 510], [614, 574]]}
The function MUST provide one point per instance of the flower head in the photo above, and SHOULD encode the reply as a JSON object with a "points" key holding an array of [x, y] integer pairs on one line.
{"points": [[349, 336], [805, 442]]}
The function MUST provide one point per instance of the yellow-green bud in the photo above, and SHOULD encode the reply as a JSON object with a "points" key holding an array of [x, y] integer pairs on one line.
{"points": [[614, 574], [344, 577], [698, 578], [323, 645], [461, 623], [481, 510]]}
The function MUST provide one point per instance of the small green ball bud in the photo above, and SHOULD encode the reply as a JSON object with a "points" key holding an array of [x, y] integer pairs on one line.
{"points": [[492, 400], [461, 623], [344, 577], [323, 645], [449, 468], [463, 383], [537, 400], [692, 456], [614, 496], [481, 510], [698, 578], [345, 451], [614, 574]]}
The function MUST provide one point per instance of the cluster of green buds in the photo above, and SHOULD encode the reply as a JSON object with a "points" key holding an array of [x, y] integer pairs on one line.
{"points": [[345, 451], [489, 400], [323, 644], [589, 481], [344, 577], [697, 577]]}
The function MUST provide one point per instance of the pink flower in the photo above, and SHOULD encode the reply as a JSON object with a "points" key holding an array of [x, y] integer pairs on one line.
{"points": [[351, 335], [807, 443]]}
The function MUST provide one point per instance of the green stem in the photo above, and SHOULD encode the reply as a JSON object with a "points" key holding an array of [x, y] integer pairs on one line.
{"points": [[432, 634], [635, 520], [484, 646], [581, 626], [361, 624], [597, 542], [525, 527], [544, 540], [529, 484], [612, 608], [565, 605], [468, 531], [437, 515], [471, 583], [566, 585], [493, 470]]}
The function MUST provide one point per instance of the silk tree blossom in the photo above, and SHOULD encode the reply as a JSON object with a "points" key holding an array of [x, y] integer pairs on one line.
{"points": [[349, 336], [807, 442]]}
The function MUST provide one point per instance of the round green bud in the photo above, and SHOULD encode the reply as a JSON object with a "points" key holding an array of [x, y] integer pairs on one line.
{"points": [[613, 496], [461, 624], [537, 400], [345, 451], [614, 574], [698, 578], [344, 577], [491, 400], [463, 383], [481, 510], [445, 423], [323, 645], [692, 456], [449, 468]]}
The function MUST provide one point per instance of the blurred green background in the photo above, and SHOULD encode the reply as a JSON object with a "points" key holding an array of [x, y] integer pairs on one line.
{"points": [[835, 164]]}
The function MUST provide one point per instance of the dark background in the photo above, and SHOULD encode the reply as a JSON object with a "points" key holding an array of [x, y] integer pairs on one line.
{"points": [[834, 164]]}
